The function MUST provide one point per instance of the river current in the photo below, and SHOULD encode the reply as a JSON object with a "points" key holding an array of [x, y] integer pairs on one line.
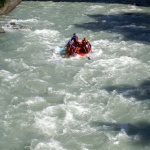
{"points": [[52, 103]]}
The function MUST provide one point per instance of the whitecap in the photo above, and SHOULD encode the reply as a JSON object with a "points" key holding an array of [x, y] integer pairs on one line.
{"points": [[49, 145]]}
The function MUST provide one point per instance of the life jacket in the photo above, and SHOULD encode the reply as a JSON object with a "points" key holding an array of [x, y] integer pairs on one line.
{"points": [[74, 38], [84, 42], [88, 46], [72, 50]]}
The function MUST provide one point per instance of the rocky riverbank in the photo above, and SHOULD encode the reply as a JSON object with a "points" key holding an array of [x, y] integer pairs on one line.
{"points": [[8, 7]]}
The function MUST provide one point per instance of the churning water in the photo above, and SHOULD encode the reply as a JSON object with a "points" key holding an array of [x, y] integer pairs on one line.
{"points": [[51, 103]]}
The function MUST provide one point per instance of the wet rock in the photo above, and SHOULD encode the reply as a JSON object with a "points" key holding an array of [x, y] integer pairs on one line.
{"points": [[15, 25], [12, 23], [2, 30]]}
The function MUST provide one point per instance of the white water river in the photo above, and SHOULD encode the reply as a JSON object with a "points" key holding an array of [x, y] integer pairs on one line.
{"points": [[51, 103]]}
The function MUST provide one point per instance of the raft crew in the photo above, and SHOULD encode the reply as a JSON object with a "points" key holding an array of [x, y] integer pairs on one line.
{"points": [[74, 46]]}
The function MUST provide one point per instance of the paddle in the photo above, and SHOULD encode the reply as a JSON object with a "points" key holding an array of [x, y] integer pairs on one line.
{"points": [[88, 58], [61, 49]]}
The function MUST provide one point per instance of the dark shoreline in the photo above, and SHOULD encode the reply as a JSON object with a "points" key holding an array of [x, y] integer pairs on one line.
{"points": [[144, 3]]}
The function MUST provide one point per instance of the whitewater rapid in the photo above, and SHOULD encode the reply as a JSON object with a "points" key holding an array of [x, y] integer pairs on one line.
{"points": [[52, 103]]}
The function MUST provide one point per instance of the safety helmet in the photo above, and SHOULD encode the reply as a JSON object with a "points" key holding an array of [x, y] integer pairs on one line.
{"points": [[88, 40]]}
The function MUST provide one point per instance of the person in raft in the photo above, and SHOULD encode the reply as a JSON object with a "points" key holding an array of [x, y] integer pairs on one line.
{"points": [[84, 42], [73, 50], [75, 39], [68, 46], [88, 45]]}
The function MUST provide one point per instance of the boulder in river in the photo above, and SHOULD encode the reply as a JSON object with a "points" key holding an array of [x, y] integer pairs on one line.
{"points": [[2, 30]]}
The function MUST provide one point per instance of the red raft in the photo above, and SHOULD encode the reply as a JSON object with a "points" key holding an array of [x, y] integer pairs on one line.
{"points": [[78, 48]]}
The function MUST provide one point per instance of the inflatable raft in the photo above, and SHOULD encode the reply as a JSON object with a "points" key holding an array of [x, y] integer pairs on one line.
{"points": [[73, 49]]}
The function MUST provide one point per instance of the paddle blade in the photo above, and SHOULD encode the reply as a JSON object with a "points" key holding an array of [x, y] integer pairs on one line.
{"points": [[61, 49]]}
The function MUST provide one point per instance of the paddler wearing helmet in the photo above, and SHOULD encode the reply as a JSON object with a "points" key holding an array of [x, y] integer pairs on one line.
{"points": [[88, 45]]}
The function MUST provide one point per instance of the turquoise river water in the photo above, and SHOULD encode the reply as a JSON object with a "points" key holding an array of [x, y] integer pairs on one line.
{"points": [[52, 103]]}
